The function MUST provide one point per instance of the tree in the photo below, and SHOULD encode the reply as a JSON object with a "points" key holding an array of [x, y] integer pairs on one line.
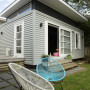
{"points": [[80, 5]]}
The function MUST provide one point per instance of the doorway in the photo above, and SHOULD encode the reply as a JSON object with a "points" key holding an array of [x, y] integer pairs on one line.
{"points": [[53, 39]]}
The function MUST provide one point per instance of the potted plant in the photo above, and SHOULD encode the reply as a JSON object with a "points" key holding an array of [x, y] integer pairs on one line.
{"points": [[69, 57], [45, 56]]}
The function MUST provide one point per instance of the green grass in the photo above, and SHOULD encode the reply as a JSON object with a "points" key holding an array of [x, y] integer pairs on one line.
{"points": [[78, 81]]}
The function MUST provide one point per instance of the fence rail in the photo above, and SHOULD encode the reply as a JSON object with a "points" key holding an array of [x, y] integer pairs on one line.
{"points": [[87, 51]]}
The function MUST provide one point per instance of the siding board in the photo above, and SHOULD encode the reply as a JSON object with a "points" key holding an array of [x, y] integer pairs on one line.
{"points": [[40, 36], [7, 39]]}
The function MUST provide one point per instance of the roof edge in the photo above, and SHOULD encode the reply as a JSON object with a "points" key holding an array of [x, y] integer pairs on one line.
{"points": [[10, 6], [2, 19], [74, 10]]}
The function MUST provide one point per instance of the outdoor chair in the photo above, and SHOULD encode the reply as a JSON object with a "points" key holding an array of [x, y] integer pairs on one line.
{"points": [[29, 80], [50, 69]]}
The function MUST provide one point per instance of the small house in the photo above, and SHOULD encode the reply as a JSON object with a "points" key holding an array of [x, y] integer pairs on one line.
{"points": [[31, 28]]}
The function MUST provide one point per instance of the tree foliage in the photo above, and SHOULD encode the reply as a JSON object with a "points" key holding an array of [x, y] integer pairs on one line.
{"points": [[82, 6]]}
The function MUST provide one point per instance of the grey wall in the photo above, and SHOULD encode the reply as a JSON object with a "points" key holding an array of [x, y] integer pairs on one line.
{"points": [[49, 11], [1, 23], [43, 13], [7, 39], [78, 53], [40, 36]]}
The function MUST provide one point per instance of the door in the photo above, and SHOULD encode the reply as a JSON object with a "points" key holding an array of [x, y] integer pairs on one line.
{"points": [[53, 39], [18, 40]]}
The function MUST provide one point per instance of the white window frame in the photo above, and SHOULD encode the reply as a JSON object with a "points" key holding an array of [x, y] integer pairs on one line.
{"points": [[60, 27], [22, 40], [46, 34], [79, 40], [67, 29]]}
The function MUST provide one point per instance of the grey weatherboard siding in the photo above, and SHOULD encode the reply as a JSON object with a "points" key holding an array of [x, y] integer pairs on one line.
{"points": [[42, 13], [34, 36], [7, 39], [40, 36]]}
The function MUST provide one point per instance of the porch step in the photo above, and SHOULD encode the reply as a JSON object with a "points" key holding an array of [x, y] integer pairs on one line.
{"points": [[4, 62], [67, 64], [64, 61]]}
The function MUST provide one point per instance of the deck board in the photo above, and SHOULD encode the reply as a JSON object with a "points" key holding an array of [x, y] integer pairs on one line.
{"points": [[5, 60]]}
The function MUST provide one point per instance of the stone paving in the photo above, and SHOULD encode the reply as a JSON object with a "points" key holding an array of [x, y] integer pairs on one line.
{"points": [[7, 82]]}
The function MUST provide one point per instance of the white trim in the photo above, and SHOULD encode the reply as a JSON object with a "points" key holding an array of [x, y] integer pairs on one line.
{"points": [[14, 6], [9, 7], [71, 42], [67, 29], [60, 27], [22, 39], [2, 19], [46, 37], [46, 34], [51, 3], [79, 38], [59, 41]]}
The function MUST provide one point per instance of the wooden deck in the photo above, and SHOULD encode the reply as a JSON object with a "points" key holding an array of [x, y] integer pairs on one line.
{"points": [[67, 64], [5, 60]]}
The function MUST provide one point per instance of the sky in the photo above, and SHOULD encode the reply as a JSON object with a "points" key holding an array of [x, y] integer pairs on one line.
{"points": [[4, 4]]}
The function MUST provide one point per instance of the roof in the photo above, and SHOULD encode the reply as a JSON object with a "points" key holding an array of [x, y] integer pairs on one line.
{"points": [[13, 7], [58, 5], [2, 19], [65, 9]]}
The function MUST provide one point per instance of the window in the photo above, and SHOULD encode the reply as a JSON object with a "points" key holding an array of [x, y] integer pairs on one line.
{"points": [[77, 40], [65, 42], [18, 39]]}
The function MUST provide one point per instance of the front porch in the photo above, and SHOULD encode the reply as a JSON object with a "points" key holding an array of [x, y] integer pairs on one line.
{"points": [[66, 63]]}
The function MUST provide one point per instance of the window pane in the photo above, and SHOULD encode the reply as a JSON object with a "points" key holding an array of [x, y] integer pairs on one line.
{"points": [[66, 51], [67, 45], [67, 33], [62, 38], [18, 49], [19, 28], [62, 31], [77, 40], [62, 44], [19, 35], [67, 39], [18, 43]]}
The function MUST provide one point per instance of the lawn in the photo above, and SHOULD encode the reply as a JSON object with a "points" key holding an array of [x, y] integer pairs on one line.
{"points": [[78, 81]]}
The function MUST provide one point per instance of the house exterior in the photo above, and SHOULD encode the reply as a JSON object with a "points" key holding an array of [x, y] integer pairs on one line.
{"points": [[36, 27]]}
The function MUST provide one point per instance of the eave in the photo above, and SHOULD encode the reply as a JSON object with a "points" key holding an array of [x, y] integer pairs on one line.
{"points": [[17, 4], [58, 5], [2, 19], [65, 9]]}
